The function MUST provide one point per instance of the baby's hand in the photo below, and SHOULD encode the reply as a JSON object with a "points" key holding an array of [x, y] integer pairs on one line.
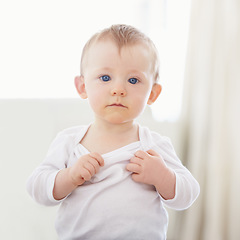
{"points": [[149, 167], [86, 166]]}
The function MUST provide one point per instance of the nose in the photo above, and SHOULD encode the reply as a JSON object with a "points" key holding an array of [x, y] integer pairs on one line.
{"points": [[118, 91]]}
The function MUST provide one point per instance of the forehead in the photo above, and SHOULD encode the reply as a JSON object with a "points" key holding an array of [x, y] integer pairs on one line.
{"points": [[107, 52]]}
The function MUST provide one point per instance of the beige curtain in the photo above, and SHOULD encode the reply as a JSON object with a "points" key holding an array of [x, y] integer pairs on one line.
{"points": [[212, 117]]}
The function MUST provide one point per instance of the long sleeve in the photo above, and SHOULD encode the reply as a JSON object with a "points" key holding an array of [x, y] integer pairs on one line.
{"points": [[187, 188], [41, 182]]}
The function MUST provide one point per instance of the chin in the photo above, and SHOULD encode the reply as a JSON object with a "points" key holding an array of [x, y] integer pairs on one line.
{"points": [[117, 120]]}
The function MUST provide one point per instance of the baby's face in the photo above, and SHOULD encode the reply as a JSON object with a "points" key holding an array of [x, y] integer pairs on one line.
{"points": [[118, 84]]}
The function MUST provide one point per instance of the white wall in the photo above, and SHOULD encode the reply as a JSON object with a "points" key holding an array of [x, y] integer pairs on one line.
{"points": [[27, 127]]}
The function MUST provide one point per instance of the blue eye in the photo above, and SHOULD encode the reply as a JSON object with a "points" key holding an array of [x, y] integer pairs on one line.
{"points": [[133, 80], [105, 78]]}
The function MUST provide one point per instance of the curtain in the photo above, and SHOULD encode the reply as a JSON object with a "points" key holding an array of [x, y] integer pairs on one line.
{"points": [[211, 113]]}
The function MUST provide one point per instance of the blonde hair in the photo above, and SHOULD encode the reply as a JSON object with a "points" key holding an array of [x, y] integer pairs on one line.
{"points": [[124, 35]]}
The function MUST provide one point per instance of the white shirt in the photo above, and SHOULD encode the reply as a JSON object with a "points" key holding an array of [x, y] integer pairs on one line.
{"points": [[111, 205]]}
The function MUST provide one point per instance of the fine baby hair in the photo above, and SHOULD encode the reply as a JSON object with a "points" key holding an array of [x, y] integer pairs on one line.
{"points": [[124, 35]]}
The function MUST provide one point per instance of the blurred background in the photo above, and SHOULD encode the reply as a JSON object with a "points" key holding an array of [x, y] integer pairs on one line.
{"points": [[199, 108]]}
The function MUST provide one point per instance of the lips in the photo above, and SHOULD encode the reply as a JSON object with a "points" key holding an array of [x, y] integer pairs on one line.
{"points": [[117, 105]]}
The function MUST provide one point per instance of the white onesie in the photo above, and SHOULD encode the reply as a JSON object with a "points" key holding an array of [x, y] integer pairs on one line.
{"points": [[111, 205]]}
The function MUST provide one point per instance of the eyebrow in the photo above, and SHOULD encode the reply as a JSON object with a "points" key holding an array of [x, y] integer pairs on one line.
{"points": [[139, 73], [104, 69], [131, 71]]}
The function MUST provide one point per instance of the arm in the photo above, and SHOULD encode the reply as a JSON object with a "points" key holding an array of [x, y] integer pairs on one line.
{"points": [[149, 168], [186, 188], [70, 178], [52, 173], [41, 182]]}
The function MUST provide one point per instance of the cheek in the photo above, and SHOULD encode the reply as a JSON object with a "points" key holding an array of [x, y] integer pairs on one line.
{"points": [[142, 96], [95, 99], [140, 101], [93, 93]]}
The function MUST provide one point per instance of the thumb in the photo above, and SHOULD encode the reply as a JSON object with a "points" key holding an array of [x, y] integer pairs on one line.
{"points": [[136, 177]]}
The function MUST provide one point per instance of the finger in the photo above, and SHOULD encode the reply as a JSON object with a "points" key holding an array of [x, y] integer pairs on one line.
{"points": [[136, 160], [141, 154], [95, 164], [85, 174], [98, 158], [152, 153], [136, 177], [135, 168], [88, 166]]}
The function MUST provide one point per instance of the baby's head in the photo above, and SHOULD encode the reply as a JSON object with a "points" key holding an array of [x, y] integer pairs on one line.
{"points": [[119, 73], [122, 36]]}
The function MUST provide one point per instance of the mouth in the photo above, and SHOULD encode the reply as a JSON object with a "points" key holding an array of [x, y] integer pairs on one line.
{"points": [[117, 105]]}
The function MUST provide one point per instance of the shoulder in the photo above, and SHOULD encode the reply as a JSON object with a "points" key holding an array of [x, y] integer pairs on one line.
{"points": [[154, 138], [72, 131], [161, 141], [157, 142], [69, 136]]}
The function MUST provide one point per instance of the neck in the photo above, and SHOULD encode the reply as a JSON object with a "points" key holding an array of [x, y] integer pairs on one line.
{"points": [[103, 138], [111, 129]]}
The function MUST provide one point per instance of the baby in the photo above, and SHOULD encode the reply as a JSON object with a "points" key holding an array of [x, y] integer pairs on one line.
{"points": [[113, 176]]}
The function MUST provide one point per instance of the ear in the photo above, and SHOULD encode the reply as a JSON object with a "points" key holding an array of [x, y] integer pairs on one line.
{"points": [[156, 90], [80, 86]]}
